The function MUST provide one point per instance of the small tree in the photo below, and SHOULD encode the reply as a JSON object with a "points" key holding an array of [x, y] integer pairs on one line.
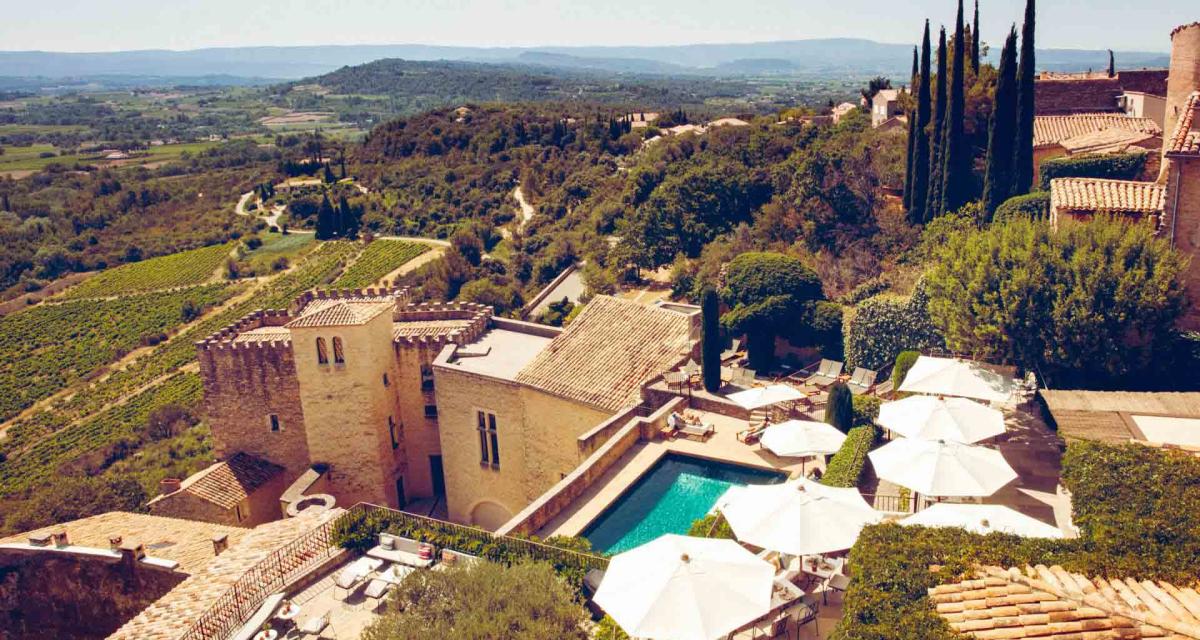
{"points": [[526, 601], [904, 362], [839, 412], [710, 355], [769, 294]]}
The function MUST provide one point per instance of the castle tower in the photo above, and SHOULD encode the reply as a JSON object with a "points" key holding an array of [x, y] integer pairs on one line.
{"points": [[1184, 77]]}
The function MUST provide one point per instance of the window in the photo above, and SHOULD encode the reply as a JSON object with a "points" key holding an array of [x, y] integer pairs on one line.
{"points": [[489, 443], [392, 433], [322, 354], [339, 355], [431, 411], [385, 380], [426, 377], [275, 423]]}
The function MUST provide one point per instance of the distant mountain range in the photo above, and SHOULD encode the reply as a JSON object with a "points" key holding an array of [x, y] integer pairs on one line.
{"points": [[819, 57]]}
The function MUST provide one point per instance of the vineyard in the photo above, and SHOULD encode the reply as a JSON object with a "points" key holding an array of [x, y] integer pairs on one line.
{"points": [[380, 258], [176, 270], [320, 267], [45, 348]]}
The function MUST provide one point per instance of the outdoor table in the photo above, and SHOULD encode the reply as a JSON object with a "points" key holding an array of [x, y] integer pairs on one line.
{"points": [[267, 634], [288, 611]]}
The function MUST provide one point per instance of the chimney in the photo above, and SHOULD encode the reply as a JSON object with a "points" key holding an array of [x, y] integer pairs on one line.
{"points": [[60, 538], [169, 485], [114, 543], [40, 540], [220, 543]]}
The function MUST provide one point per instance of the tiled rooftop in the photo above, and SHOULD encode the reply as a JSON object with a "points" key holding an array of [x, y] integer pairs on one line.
{"points": [[1113, 196], [427, 328], [264, 334], [606, 354], [227, 483], [341, 313], [1049, 130], [1106, 141], [1052, 604], [1186, 139], [187, 542], [174, 613]]}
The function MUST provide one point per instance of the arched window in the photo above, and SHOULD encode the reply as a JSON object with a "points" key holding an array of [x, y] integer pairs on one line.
{"points": [[339, 355], [322, 354]]}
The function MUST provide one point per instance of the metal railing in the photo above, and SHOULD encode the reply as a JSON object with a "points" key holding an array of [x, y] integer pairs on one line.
{"points": [[894, 503]]}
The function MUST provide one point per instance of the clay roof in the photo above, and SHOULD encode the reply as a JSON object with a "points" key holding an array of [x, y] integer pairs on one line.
{"points": [[1049, 130], [1186, 139], [341, 313], [604, 356], [1105, 415], [1106, 141], [172, 615], [1106, 196], [1060, 96], [264, 334], [1052, 604], [187, 542], [427, 328], [227, 483]]}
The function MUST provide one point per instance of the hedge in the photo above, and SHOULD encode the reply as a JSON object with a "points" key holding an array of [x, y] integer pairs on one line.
{"points": [[885, 325], [1120, 166], [846, 467], [904, 362], [1035, 206], [1138, 509]]}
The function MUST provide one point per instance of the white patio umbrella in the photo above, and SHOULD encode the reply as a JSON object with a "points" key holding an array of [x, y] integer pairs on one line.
{"points": [[939, 418], [954, 377], [802, 438], [760, 397], [800, 517], [984, 519], [681, 588], [942, 468]]}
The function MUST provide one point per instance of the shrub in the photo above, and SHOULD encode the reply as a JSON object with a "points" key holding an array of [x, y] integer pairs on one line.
{"points": [[866, 409], [1120, 166], [904, 362], [846, 467], [839, 411], [870, 288], [885, 325], [1032, 206], [712, 525]]}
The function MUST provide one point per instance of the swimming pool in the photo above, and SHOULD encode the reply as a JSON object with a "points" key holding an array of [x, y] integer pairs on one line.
{"points": [[676, 491]]}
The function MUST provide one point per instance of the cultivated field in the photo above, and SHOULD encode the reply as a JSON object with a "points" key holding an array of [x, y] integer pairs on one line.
{"points": [[380, 258], [176, 270]]}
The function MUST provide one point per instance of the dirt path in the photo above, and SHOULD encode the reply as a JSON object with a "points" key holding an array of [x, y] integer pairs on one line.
{"points": [[416, 263], [527, 209]]}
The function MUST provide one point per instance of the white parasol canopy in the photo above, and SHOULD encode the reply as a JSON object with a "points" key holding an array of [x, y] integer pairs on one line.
{"points": [[983, 519], [760, 397], [681, 588], [799, 517], [942, 468], [802, 438], [938, 418], [954, 377]]}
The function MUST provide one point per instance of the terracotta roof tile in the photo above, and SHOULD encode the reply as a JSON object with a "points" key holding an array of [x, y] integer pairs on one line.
{"points": [[1050, 130], [1052, 604], [427, 328], [264, 334], [1106, 196], [342, 313], [227, 483], [606, 354], [1106, 141], [1186, 139], [187, 542]]}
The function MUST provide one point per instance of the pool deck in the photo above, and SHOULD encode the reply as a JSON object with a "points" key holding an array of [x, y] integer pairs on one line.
{"points": [[722, 446]]}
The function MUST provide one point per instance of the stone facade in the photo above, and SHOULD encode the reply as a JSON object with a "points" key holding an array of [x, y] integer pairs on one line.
{"points": [[1182, 225]]}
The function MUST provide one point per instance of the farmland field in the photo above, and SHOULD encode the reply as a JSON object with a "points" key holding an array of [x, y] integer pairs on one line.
{"points": [[47, 347], [291, 247], [380, 258], [175, 270]]}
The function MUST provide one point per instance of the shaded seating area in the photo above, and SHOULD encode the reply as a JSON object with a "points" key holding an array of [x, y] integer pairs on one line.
{"points": [[862, 381], [402, 551], [827, 373]]}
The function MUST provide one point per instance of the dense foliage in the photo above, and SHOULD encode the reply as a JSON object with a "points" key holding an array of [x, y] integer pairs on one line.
{"points": [[482, 601], [1088, 305], [839, 410], [885, 325], [847, 465], [769, 294], [1118, 166], [1031, 206], [904, 362]]}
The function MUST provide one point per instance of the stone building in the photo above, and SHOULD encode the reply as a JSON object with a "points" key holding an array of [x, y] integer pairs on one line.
{"points": [[367, 398], [885, 106], [1096, 133]]}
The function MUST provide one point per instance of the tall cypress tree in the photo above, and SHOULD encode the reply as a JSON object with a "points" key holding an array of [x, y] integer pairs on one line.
{"points": [[920, 192], [326, 220], [975, 38], [912, 138], [1023, 153], [956, 176], [1112, 64], [997, 185], [710, 345], [936, 158]]}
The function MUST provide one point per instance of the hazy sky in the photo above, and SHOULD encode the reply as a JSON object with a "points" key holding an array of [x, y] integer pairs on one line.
{"points": [[111, 25]]}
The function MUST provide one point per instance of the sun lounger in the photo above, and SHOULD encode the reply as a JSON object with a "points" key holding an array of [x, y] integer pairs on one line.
{"points": [[356, 572], [313, 627], [263, 615], [744, 377], [698, 429], [732, 352], [827, 373], [400, 550], [862, 381], [751, 435]]}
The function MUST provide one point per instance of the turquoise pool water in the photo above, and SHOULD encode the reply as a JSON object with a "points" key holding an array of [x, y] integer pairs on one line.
{"points": [[675, 492]]}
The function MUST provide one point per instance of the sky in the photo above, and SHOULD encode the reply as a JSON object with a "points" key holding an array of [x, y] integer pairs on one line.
{"points": [[119, 25]]}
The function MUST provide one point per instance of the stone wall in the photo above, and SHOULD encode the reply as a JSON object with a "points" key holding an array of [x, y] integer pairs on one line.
{"points": [[1183, 227], [244, 384], [55, 595], [260, 506]]}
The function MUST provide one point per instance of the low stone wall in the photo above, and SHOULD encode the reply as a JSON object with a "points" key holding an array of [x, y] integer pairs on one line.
{"points": [[593, 439], [570, 488]]}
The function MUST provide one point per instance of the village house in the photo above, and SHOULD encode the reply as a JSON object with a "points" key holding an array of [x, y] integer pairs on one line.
{"points": [[885, 106]]}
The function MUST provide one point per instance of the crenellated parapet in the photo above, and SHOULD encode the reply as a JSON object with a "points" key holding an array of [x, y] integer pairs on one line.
{"points": [[261, 318], [476, 319], [399, 294]]}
